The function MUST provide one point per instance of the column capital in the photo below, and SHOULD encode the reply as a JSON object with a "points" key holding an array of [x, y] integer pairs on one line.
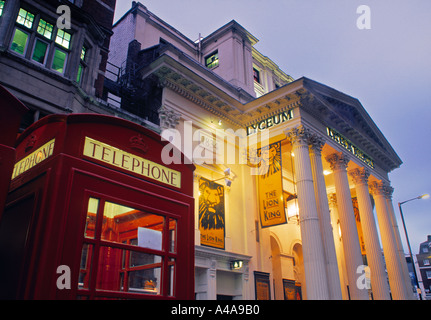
{"points": [[389, 192], [380, 188], [298, 135], [338, 160], [316, 143], [359, 175]]}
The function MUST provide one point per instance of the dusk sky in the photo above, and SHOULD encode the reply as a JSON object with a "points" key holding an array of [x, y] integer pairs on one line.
{"points": [[387, 67]]}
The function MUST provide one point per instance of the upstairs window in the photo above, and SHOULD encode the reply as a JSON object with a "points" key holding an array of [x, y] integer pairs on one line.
{"points": [[82, 64], [1, 7], [45, 29], [21, 36], [25, 18], [211, 61], [63, 38], [256, 75], [41, 47], [19, 41], [35, 33]]}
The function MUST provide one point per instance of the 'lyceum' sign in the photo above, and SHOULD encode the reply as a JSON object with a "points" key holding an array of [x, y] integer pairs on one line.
{"points": [[130, 162], [270, 122], [344, 142]]}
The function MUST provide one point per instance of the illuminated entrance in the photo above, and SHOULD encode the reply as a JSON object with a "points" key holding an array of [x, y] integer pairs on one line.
{"points": [[80, 225]]}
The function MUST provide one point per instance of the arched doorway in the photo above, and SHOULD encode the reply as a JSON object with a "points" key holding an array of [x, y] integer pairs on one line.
{"points": [[276, 270], [298, 269]]}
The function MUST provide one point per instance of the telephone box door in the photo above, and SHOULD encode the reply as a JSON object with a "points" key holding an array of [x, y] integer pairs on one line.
{"points": [[127, 243]]}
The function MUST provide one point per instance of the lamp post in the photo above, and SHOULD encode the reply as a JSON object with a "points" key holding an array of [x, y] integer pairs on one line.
{"points": [[424, 196]]}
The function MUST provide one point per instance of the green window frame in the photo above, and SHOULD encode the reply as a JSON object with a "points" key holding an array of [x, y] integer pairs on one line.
{"points": [[19, 41], [82, 64], [45, 29], [63, 38], [1, 7], [25, 18], [59, 60], [212, 61], [40, 51]]}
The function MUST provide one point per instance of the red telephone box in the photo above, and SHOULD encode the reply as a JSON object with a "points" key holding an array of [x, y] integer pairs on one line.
{"points": [[94, 213]]}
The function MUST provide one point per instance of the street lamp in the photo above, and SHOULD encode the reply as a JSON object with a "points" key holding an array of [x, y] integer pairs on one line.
{"points": [[424, 196]]}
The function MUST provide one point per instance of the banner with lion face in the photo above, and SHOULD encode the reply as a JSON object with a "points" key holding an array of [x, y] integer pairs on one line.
{"points": [[211, 214], [270, 179]]}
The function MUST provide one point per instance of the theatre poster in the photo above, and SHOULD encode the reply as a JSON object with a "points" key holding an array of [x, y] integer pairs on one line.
{"points": [[211, 214], [270, 181]]}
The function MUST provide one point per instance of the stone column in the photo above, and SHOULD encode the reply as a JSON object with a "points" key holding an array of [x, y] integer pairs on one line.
{"points": [[379, 283], [407, 280], [8, 18], [338, 245], [312, 247], [390, 249], [316, 144], [350, 238]]}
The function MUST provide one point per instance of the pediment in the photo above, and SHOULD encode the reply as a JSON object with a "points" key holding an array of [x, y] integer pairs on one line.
{"points": [[347, 115]]}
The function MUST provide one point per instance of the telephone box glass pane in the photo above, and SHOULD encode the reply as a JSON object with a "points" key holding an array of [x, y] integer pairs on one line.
{"points": [[90, 223], [171, 275], [129, 271], [121, 223], [85, 267], [172, 235]]}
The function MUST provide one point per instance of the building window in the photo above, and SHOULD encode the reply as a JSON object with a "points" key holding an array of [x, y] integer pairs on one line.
{"points": [[425, 250], [1, 7], [82, 64], [32, 31], [426, 262], [59, 60], [211, 61], [40, 51], [45, 29], [25, 18], [428, 274], [256, 75], [19, 41], [63, 38]]}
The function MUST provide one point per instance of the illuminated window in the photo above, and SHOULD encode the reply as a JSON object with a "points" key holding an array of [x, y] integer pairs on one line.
{"points": [[83, 53], [59, 60], [45, 29], [82, 64], [19, 41], [132, 243], [40, 51], [63, 38], [211, 61], [25, 18], [1, 7], [256, 75]]}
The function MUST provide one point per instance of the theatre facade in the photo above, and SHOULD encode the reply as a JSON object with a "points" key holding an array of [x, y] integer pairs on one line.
{"points": [[291, 187], [269, 187]]}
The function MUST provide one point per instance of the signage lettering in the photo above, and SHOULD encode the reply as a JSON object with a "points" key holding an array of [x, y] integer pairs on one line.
{"points": [[271, 187], [344, 142], [116, 157], [270, 122], [33, 159]]}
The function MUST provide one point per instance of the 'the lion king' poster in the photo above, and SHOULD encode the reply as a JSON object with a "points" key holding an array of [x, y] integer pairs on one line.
{"points": [[211, 214], [271, 200]]}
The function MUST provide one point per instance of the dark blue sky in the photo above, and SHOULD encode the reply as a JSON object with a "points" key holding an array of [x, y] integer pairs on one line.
{"points": [[388, 68]]}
